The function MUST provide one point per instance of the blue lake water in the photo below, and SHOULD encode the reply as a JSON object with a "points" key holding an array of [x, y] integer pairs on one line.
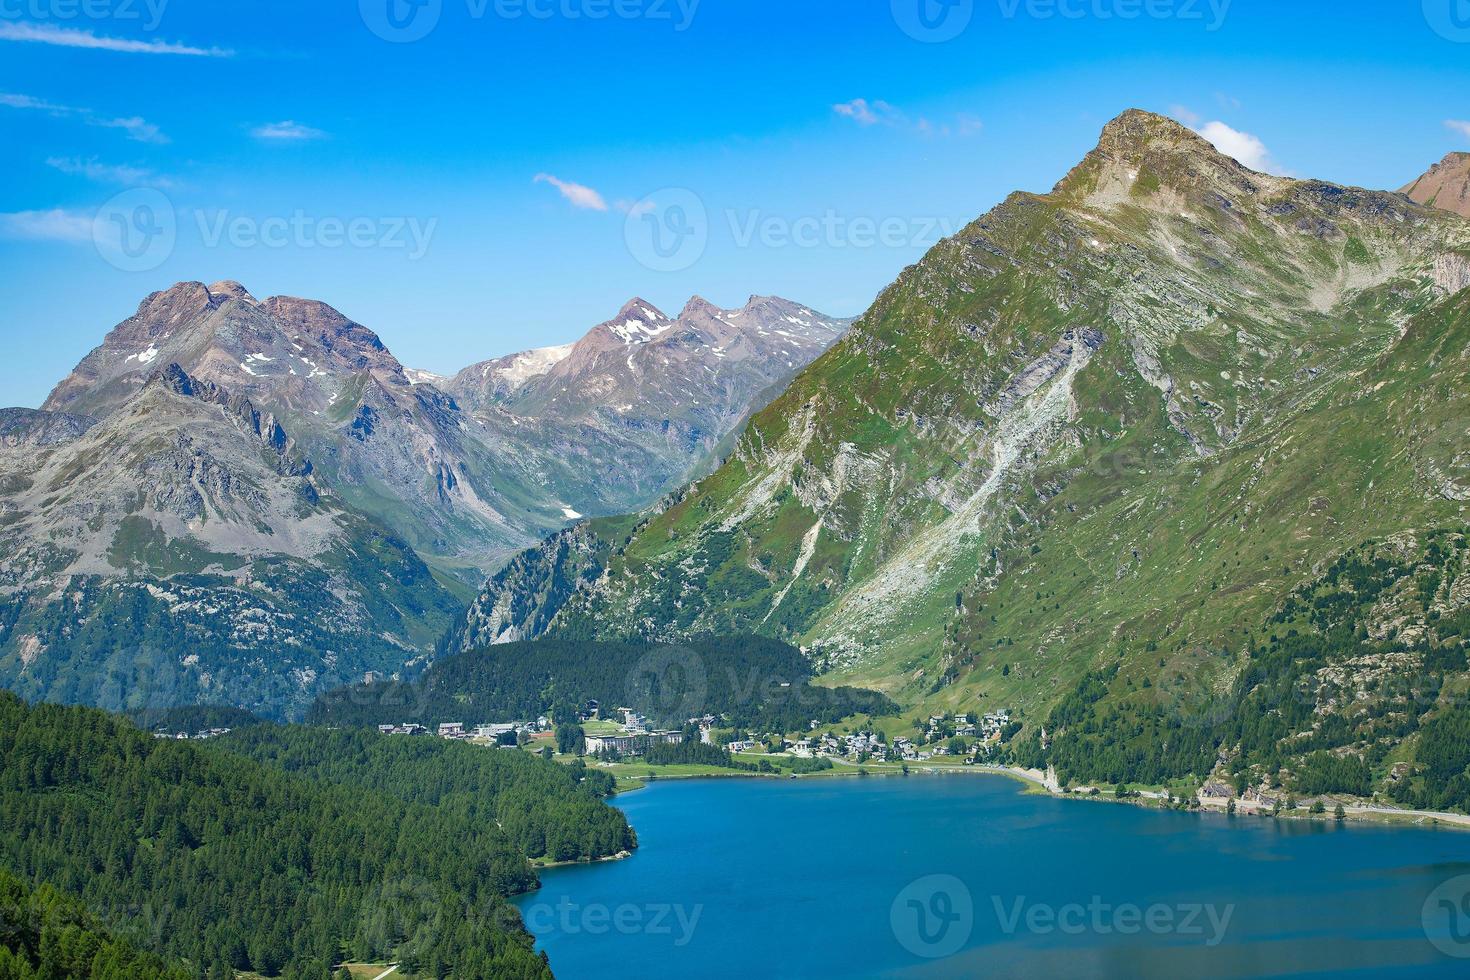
{"points": [[966, 875]]}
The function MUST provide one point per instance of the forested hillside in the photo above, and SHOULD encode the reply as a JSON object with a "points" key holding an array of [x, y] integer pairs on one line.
{"points": [[1358, 683], [281, 851], [44, 935], [546, 810], [753, 682]]}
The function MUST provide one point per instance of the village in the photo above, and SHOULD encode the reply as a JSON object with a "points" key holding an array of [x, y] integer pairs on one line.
{"points": [[970, 737]]}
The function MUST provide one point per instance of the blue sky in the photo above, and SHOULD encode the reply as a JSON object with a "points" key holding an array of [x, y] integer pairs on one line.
{"points": [[514, 174]]}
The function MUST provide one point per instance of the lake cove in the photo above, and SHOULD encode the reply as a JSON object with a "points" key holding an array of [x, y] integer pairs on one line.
{"points": [[967, 875]]}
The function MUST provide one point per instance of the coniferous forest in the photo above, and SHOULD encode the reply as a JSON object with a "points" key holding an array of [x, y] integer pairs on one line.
{"points": [[284, 851], [752, 682]]}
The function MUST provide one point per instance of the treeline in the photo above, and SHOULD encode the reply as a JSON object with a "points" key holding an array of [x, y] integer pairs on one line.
{"points": [[45, 935], [283, 851], [752, 682], [1284, 718]]}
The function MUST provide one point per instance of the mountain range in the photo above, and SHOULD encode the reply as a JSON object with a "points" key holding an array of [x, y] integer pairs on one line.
{"points": [[245, 500], [1114, 427], [1087, 459]]}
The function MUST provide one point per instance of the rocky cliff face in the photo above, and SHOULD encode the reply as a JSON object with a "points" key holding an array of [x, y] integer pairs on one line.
{"points": [[1120, 420], [1446, 185]]}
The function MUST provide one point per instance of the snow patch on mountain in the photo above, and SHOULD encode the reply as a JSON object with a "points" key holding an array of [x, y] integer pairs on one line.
{"points": [[530, 364]]}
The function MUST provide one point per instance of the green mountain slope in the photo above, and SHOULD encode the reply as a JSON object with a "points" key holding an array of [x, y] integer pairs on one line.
{"points": [[1123, 419]]}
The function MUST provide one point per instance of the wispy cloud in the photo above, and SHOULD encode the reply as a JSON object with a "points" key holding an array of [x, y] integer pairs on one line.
{"points": [[136, 127], [1459, 126], [57, 225], [866, 113], [286, 130], [880, 113], [66, 37], [107, 173], [15, 101], [579, 195], [1245, 147]]}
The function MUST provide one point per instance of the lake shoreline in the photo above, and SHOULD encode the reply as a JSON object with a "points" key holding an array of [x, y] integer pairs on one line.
{"points": [[543, 865], [1035, 781]]}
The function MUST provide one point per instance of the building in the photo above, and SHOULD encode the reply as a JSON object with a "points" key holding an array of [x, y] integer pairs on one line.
{"points": [[630, 744], [451, 729]]}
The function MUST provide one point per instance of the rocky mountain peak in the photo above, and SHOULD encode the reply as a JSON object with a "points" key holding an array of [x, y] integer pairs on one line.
{"points": [[1134, 131], [1446, 185], [179, 302], [699, 306], [230, 289], [350, 345], [638, 322], [1141, 154], [639, 308]]}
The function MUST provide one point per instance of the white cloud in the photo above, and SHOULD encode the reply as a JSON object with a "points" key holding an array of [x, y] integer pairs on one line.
{"points": [[56, 225], [136, 127], [106, 173], [863, 113], [71, 38], [287, 129], [580, 195], [1459, 125], [1245, 147], [878, 112]]}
